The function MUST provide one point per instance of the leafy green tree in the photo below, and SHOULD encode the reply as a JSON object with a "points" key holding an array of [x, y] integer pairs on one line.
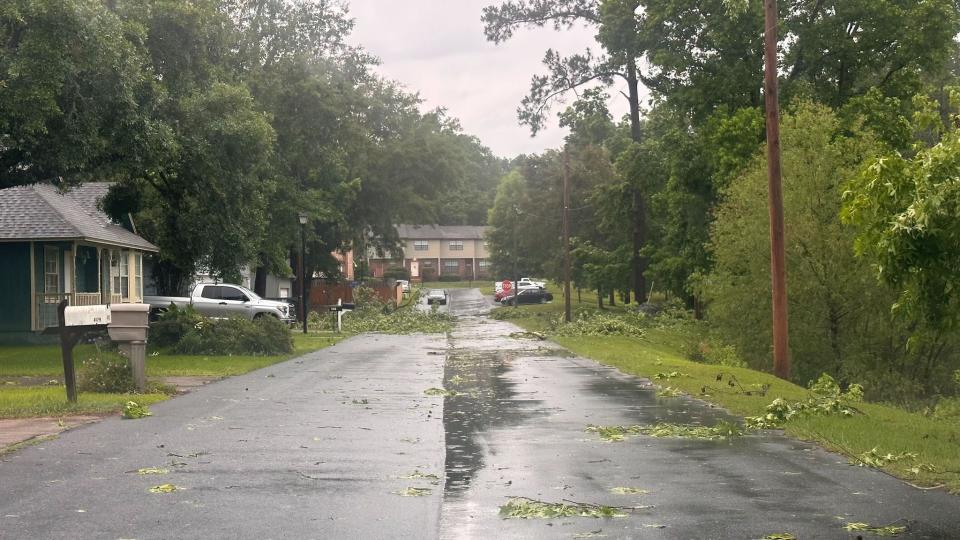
{"points": [[905, 208], [839, 321], [617, 26], [73, 84]]}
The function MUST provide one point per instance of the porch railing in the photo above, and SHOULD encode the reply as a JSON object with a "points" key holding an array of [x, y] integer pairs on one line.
{"points": [[47, 303]]}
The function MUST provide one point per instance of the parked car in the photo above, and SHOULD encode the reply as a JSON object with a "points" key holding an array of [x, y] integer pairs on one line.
{"points": [[525, 281], [223, 300], [404, 284], [528, 295], [437, 296], [500, 294]]}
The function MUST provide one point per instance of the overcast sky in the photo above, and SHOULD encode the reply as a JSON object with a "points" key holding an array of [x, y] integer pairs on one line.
{"points": [[437, 48]]}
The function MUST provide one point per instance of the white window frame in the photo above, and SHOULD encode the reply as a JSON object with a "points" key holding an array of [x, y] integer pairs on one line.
{"points": [[119, 273], [51, 254], [451, 265], [456, 245], [421, 245]]}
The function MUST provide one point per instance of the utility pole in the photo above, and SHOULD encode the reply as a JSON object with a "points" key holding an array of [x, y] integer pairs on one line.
{"points": [[566, 236], [303, 278], [778, 266]]}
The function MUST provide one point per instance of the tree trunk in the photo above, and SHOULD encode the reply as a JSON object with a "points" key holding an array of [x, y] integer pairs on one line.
{"points": [[599, 298], [260, 281], [638, 207], [613, 297]]}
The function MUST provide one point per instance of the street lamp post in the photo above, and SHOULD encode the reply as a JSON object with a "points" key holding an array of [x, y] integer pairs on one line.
{"points": [[302, 277]]}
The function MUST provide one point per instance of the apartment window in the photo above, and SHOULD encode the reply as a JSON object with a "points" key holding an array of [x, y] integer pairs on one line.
{"points": [[451, 265], [421, 245], [483, 263], [51, 269], [456, 245]]}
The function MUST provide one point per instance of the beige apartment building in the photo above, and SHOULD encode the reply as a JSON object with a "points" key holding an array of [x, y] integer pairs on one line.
{"points": [[428, 252]]}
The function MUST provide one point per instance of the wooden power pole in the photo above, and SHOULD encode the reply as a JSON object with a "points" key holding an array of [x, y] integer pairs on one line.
{"points": [[778, 267], [566, 237]]}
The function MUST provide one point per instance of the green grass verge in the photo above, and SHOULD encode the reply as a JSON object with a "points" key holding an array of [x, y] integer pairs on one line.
{"points": [[888, 429], [44, 360], [34, 401]]}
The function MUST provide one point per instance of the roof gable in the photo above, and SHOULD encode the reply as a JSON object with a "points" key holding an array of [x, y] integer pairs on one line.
{"points": [[41, 212]]}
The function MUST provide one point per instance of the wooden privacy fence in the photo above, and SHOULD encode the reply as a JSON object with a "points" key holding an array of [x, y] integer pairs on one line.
{"points": [[327, 294]]}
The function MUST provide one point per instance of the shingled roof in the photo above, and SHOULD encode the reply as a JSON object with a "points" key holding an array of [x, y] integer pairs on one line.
{"points": [[442, 232], [41, 212]]}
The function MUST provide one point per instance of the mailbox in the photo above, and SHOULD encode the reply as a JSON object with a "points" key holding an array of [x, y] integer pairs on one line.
{"points": [[128, 329], [129, 322]]}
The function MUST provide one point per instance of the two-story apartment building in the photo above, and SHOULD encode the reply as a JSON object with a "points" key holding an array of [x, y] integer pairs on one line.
{"points": [[431, 251]]}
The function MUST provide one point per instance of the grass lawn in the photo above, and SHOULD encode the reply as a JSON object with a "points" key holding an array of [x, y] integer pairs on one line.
{"points": [[886, 428], [33, 401], [485, 285], [44, 361]]}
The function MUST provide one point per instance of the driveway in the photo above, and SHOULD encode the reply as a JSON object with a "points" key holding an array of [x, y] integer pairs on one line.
{"points": [[320, 446]]}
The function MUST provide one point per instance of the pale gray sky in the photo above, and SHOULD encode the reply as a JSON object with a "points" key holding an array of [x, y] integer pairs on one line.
{"points": [[437, 48]]}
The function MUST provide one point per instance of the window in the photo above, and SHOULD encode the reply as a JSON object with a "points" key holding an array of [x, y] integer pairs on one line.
{"points": [[456, 245], [232, 293], [483, 263], [210, 291], [421, 245], [451, 265], [285, 292], [120, 270], [51, 269], [138, 272]]}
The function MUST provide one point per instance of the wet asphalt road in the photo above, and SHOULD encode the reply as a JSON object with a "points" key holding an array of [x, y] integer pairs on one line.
{"points": [[316, 448]]}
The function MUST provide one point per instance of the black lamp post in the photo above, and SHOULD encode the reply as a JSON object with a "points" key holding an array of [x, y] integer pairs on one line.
{"points": [[303, 281]]}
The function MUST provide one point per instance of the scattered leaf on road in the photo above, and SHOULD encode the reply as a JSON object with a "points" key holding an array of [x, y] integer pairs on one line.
{"points": [[164, 488], [133, 410], [413, 492]]}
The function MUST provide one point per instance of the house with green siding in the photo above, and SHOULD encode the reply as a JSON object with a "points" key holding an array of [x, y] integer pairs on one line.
{"points": [[58, 246]]}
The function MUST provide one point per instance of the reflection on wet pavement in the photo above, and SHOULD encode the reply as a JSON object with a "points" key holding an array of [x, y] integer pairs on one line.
{"points": [[518, 429]]}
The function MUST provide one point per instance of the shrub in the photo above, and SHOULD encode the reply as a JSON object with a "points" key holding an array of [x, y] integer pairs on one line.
{"points": [[173, 325], [265, 336], [712, 352], [106, 372], [601, 324]]}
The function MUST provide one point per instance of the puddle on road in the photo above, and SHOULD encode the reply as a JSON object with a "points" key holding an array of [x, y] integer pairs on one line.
{"points": [[485, 400]]}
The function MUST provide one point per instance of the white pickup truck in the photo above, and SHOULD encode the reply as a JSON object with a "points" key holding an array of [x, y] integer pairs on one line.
{"points": [[223, 300]]}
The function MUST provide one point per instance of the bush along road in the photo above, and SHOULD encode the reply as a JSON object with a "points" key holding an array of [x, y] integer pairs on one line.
{"points": [[468, 434]]}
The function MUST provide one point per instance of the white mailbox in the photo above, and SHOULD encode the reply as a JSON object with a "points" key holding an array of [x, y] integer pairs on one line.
{"points": [[86, 315]]}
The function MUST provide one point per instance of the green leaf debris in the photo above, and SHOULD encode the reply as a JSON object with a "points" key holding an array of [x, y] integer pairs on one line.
{"points": [[413, 492], [874, 458], [669, 391], [525, 508], [826, 399], [440, 392], [723, 430], [133, 410], [417, 475], [164, 488], [152, 470], [779, 536], [880, 530]]}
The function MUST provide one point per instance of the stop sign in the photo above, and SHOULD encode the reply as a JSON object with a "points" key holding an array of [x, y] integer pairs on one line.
{"points": [[507, 284]]}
